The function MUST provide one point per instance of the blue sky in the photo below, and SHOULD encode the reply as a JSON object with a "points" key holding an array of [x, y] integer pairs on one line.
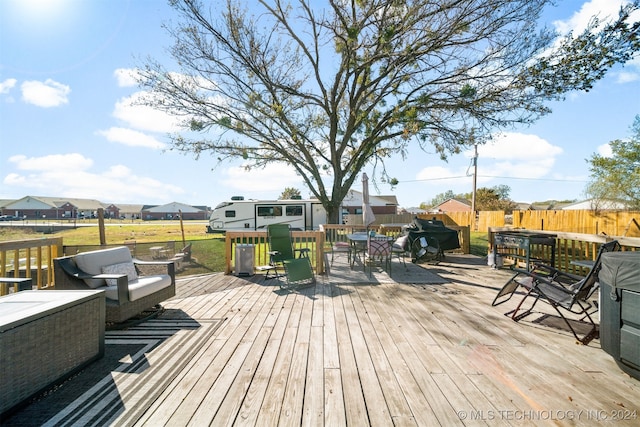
{"points": [[67, 127]]}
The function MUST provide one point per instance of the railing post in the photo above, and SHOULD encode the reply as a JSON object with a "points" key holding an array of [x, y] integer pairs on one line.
{"points": [[319, 252], [227, 253]]}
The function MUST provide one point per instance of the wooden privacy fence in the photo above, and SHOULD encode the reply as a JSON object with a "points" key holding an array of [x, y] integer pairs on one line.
{"points": [[31, 258], [612, 223]]}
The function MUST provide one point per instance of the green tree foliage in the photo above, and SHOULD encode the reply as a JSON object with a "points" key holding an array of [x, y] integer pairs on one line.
{"points": [[329, 87], [618, 177], [290, 193], [494, 199], [441, 197]]}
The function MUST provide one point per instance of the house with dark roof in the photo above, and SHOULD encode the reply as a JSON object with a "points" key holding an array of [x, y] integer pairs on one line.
{"points": [[173, 210], [52, 207], [352, 203], [38, 207], [452, 205]]}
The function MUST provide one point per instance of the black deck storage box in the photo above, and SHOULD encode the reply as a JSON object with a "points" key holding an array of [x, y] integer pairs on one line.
{"points": [[620, 309]]}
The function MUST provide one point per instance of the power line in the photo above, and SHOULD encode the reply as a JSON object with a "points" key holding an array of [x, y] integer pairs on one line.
{"points": [[494, 176]]}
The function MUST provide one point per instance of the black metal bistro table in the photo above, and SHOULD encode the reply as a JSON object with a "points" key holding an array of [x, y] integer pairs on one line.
{"points": [[359, 244], [520, 243]]}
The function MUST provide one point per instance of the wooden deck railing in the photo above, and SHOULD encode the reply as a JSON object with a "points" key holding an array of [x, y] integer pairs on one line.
{"points": [[312, 240], [29, 258], [315, 241], [337, 232], [569, 247]]}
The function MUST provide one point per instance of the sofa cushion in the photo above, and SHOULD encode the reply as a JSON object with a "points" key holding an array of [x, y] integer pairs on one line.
{"points": [[401, 243], [145, 285], [121, 268], [93, 261]]}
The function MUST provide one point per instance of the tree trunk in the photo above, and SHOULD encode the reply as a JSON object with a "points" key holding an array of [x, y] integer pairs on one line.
{"points": [[333, 212]]}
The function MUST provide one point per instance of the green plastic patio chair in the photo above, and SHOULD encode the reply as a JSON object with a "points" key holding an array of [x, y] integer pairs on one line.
{"points": [[281, 249], [298, 273]]}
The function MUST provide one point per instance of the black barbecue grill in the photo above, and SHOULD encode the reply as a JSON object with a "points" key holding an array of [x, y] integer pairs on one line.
{"points": [[428, 239]]}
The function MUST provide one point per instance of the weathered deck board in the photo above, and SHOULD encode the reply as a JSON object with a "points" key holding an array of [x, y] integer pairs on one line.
{"points": [[385, 354], [377, 353]]}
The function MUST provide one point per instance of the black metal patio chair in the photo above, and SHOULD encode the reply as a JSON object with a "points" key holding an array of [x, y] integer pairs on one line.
{"points": [[563, 291]]}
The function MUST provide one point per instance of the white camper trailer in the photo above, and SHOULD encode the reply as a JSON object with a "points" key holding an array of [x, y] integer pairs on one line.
{"points": [[240, 214]]}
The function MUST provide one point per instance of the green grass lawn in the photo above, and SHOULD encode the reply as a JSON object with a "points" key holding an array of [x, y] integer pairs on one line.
{"points": [[479, 243], [207, 249]]}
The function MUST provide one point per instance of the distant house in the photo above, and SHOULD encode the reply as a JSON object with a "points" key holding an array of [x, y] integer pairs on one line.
{"points": [[413, 210], [56, 208], [125, 211], [33, 207], [172, 211], [381, 205], [452, 205], [524, 206], [592, 204]]}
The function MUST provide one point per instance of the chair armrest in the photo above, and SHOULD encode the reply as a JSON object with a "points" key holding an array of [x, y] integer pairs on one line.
{"points": [[542, 282], [169, 265], [558, 276], [123, 285], [303, 252], [142, 262]]}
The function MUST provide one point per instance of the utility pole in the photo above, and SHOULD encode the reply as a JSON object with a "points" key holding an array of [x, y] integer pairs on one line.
{"points": [[475, 179]]}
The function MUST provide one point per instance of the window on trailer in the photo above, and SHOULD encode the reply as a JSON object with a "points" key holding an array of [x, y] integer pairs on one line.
{"points": [[269, 210], [295, 210]]}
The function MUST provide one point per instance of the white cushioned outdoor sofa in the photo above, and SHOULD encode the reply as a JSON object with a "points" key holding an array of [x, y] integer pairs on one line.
{"points": [[131, 286]]}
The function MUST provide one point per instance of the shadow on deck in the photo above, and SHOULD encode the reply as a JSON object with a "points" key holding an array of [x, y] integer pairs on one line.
{"points": [[423, 347]]}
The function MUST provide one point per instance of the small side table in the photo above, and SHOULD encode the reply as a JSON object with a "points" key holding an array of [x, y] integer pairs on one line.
{"points": [[22, 283]]}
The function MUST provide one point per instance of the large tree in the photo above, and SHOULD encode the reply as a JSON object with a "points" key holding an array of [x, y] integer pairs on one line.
{"points": [[290, 193], [617, 177], [331, 86], [494, 199]]}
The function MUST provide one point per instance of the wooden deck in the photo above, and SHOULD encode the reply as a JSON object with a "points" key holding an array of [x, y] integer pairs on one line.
{"points": [[243, 352]]}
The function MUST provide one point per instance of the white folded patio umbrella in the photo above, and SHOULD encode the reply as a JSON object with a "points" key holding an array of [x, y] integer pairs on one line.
{"points": [[368, 216]]}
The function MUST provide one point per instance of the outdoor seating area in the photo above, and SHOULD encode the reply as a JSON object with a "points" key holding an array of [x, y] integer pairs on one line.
{"points": [[421, 347], [128, 291]]}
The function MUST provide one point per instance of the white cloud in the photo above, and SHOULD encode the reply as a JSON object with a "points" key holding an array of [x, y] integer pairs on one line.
{"points": [[131, 138], [627, 77], [605, 150], [632, 71], [513, 145], [517, 155], [511, 155], [130, 111], [605, 10], [67, 162], [72, 175], [7, 85], [45, 94], [126, 77]]}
